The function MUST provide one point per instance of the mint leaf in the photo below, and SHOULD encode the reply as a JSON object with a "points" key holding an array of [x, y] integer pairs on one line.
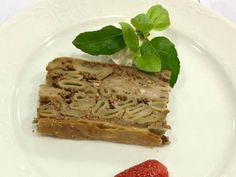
{"points": [[169, 57], [142, 23], [149, 60], [159, 16], [130, 37], [105, 41]]}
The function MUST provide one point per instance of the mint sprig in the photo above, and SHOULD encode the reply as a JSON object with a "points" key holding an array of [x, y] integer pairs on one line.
{"points": [[149, 55]]}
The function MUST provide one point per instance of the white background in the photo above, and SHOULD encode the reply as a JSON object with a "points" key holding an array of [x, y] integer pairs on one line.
{"points": [[225, 7]]}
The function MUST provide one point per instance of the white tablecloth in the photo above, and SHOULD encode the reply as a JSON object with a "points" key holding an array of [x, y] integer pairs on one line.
{"points": [[225, 7]]}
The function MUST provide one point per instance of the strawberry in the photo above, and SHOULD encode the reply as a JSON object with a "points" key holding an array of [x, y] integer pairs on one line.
{"points": [[149, 168]]}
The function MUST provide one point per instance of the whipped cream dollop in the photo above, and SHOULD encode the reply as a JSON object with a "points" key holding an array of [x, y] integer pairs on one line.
{"points": [[123, 57]]}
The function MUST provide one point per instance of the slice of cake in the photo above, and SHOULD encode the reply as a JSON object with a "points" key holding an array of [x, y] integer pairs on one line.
{"points": [[97, 101]]}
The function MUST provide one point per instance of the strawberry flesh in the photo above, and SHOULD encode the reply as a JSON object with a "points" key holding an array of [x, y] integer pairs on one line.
{"points": [[149, 168]]}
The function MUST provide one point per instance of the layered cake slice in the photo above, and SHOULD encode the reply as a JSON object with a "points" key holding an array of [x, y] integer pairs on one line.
{"points": [[97, 101]]}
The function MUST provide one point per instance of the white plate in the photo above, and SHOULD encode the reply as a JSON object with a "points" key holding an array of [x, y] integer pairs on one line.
{"points": [[225, 7], [202, 103]]}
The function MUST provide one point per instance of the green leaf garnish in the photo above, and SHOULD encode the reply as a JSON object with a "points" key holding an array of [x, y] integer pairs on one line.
{"points": [[105, 41], [130, 37], [152, 55], [159, 16], [142, 23], [149, 60], [169, 57]]}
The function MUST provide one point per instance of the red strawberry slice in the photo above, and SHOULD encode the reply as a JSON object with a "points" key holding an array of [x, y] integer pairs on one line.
{"points": [[149, 168]]}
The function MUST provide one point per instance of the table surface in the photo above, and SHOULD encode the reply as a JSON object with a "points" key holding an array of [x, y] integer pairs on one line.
{"points": [[227, 8]]}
